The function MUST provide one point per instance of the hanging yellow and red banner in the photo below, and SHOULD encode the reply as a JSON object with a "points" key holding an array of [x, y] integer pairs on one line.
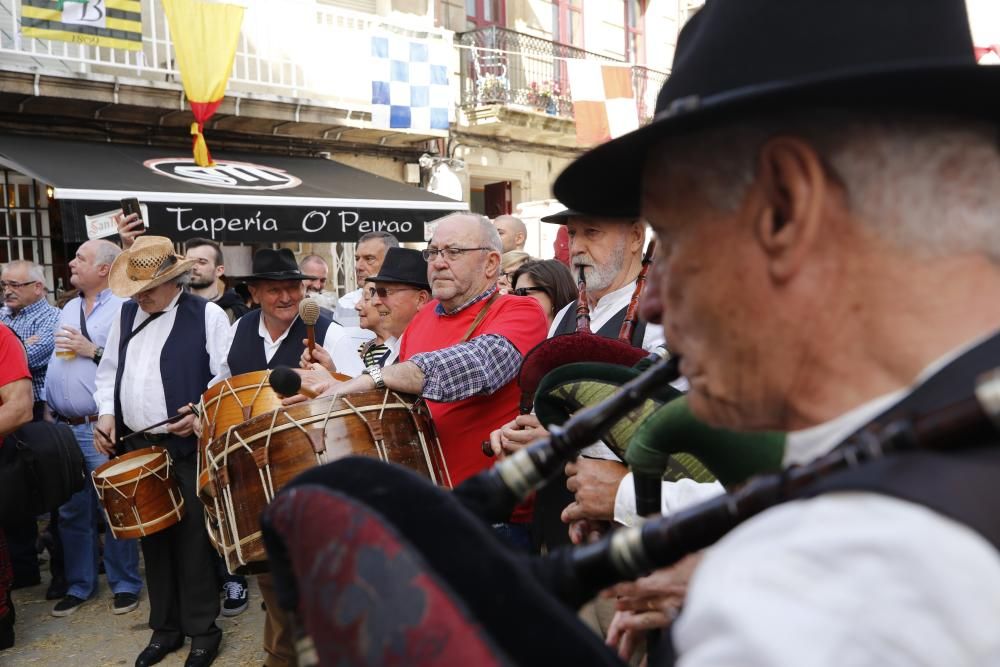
{"points": [[205, 36]]}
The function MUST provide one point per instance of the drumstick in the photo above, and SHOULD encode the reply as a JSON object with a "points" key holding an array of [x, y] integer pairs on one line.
{"points": [[287, 382], [309, 312], [168, 420]]}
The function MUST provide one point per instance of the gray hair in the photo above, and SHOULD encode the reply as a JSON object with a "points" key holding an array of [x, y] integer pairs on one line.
{"points": [[310, 259], [35, 271], [488, 235], [922, 182], [105, 252], [387, 239], [182, 280]]}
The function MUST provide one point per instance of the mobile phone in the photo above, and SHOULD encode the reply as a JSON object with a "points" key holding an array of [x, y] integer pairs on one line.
{"points": [[131, 205]]}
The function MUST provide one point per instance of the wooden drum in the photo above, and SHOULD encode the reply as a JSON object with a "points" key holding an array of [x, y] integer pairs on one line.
{"points": [[253, 461], [139, 495], [233, 401]]}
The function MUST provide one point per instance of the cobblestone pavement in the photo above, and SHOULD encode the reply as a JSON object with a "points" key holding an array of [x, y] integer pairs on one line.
{"points": [[94, 637]]}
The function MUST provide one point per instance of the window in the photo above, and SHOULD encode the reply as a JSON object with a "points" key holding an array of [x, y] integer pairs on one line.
{"points": [[635, 31], [484, 13], [567, 22]]}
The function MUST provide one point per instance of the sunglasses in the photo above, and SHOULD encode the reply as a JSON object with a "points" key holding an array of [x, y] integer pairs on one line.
{"points": [[384, 292], [525, 291]]}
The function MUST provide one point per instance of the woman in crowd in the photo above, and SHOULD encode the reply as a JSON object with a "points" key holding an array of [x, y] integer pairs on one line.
{"points": [[548, 281], [510, 262]]}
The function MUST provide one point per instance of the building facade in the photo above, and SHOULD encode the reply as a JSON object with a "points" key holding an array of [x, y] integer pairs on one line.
{"points": [[303, 85]]}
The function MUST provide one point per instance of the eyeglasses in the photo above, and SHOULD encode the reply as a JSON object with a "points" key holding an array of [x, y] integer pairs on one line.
{"points": [[450, 254], [525, 291], [4, 284], [384, 292]]}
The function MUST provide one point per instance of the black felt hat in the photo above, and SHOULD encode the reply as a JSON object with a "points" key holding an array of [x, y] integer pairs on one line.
{"points": [[560, 217], [404, 266], [741, 56], [278, 264]]}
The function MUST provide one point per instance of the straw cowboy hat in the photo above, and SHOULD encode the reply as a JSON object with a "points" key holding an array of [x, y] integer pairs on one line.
{"points": [[150, 262], [737, 57]]}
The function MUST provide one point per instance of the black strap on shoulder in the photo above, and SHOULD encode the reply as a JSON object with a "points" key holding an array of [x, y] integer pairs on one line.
{"points": [[83, 320]]}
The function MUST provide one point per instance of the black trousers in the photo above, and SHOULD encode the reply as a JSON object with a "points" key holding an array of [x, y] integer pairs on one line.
{"points": [[181, 574], [22, 538]]}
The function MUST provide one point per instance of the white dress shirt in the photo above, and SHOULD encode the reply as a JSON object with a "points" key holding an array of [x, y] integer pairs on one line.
{"points": [[141, 395], [345, 313], [848, 578], [606, 308], [333, 333]]}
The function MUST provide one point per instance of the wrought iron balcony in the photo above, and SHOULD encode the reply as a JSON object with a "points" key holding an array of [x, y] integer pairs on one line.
{"points": [[504, 67]]}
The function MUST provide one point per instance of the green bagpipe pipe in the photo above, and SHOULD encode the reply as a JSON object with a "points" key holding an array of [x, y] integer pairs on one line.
{"points": [[639, 416], [672, 433]]}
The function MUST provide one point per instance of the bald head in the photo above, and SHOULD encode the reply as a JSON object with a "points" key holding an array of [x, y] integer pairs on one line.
{"points": [[90, 268], [512, 232], [474, 242]]}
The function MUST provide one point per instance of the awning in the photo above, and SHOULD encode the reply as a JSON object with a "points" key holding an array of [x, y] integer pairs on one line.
{"points": [[244, 198]]}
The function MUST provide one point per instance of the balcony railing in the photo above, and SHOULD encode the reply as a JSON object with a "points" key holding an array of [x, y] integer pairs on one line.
{"points": [[287, 49], [500, 66]]}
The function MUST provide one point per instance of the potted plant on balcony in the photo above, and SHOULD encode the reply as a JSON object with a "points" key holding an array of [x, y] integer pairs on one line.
{"points": [[492, 89], [544, 96]]}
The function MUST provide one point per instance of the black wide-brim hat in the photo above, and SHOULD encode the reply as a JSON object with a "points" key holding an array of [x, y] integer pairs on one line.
{"points": [[751, 56], [402, 265], [269, 264], [560, 217]]}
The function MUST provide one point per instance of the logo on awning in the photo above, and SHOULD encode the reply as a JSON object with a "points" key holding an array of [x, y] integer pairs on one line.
{"points": [[225, 174]]}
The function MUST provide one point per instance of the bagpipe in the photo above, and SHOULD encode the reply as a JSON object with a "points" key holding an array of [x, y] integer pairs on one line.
{"points": [[643, 420]]}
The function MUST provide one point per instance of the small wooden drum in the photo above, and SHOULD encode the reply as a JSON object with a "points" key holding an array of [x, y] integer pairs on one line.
{"points": [[139, 495], [254, 460], [233, 401]]}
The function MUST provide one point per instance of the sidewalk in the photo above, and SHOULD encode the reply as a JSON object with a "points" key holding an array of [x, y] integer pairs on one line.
{"points": [[94, 637]]}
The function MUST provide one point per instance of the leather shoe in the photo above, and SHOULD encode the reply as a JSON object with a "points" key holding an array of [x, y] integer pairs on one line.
{"points": [[201, 657], [156, 651]]}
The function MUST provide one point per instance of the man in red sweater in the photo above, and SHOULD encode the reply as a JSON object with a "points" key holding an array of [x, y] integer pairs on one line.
{"points": [[462, 351], [15, 411]]}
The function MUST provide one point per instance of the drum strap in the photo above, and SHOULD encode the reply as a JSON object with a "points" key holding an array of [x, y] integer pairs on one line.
{"points": [[479, 318]]}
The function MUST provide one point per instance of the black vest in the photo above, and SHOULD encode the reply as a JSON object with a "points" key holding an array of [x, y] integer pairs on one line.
{"points": [[547, 526], [960, 484], [184, 367], [567, 325], [246, 354]]}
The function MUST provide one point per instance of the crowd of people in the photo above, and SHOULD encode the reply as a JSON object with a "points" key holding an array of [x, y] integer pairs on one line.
{"points": [[825, 214], [149, 330]]}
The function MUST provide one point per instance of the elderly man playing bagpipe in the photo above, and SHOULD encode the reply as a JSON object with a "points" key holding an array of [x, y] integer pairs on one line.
{"points": [[830, 268]]}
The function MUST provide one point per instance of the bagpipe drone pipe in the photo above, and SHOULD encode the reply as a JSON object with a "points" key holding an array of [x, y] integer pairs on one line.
{"points": [[576, 575]]}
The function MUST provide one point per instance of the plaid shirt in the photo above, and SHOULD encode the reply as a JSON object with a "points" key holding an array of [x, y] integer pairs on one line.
{"points": [[481, 365], [39, 320]]}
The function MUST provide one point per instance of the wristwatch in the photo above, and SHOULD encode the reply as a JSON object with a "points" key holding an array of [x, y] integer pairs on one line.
{"points": [[375, 372], [98, 353]]}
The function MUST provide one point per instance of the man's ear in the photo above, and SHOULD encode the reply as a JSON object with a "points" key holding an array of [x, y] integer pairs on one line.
{"points": [[637, 236], [493, 264], [792, 187], [220, 270]]}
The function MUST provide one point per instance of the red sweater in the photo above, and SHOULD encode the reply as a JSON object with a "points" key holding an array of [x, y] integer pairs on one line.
{"points": [[13, 362], [463, 425]]}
